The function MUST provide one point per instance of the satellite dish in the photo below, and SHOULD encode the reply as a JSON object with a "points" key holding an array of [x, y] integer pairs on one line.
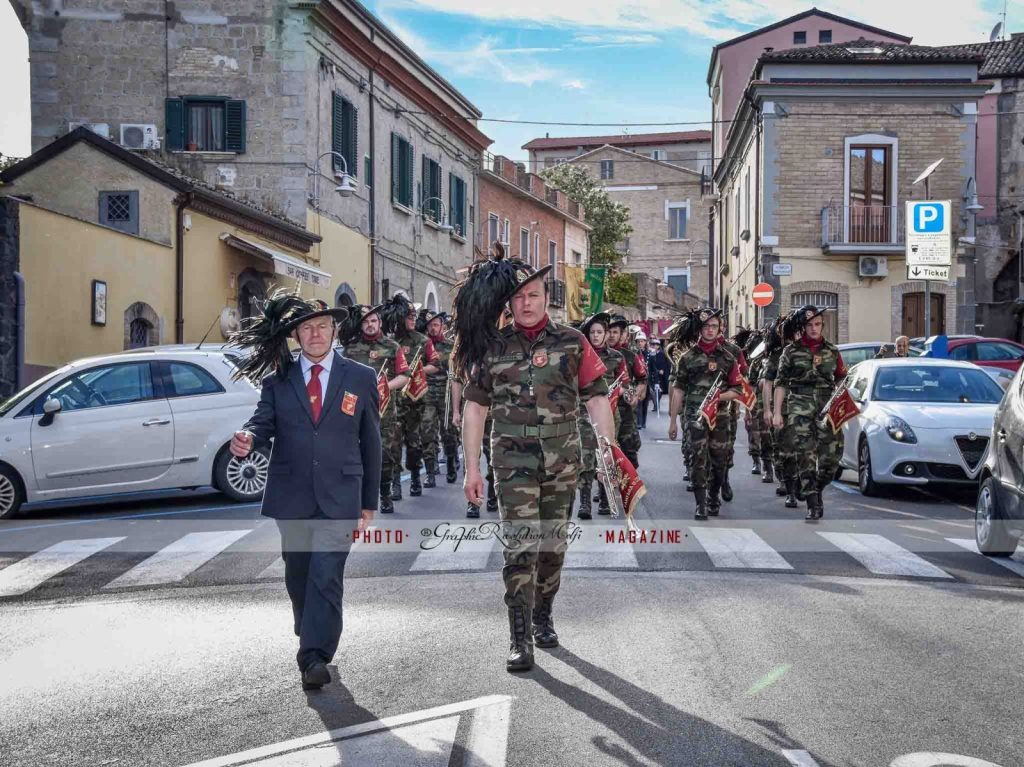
{"points": [[929, 170], [995, 32]]}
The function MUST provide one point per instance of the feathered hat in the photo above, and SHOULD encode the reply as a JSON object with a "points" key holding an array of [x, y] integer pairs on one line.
{"points": [[704, 315], [266, 336], [807, 313], [394, 312], [480, 300], [600, 318], [351, 328], [424, 317]]}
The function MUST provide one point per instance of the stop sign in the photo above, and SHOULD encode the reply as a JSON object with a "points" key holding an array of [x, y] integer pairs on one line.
{"points": [[763, 294]]}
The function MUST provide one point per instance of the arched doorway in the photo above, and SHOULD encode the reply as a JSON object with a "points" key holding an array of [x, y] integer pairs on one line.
{"points": [[252, 292], [344, 296]]}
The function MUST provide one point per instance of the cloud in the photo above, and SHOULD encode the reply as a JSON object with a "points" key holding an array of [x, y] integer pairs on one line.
{"points": [[576, 85], [607, 40]]}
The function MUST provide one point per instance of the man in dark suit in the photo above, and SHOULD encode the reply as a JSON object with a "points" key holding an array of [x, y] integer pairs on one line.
{"points": [[322, 412]]}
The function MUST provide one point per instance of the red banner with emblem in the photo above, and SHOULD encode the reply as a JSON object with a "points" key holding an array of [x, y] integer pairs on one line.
{"points": [[383, 390], [747, 394], [615, 391], [709, 407], [841, 409], [631, 487], [417, 385]]}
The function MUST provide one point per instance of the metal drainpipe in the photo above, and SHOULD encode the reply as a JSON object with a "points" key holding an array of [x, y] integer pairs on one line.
{"points": [[711, 256], [373, 190], [179, 268], [758, 276]]}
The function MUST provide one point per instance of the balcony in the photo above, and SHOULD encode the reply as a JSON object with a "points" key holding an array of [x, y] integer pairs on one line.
{"points": [[863, 229], [556, 293]]}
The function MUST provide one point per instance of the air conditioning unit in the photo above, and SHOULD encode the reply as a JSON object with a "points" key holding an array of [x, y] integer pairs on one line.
{"points": [[100, 129], [873, 266], [139, 136]]}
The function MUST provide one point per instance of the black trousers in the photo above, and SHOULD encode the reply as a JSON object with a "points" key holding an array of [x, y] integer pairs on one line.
{"points": [[315, 551]]}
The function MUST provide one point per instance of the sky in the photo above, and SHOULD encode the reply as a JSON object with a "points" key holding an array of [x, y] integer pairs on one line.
{"points": [[606, 61]]}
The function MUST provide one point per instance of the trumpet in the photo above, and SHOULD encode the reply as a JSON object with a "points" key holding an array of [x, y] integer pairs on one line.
{"points": [[608, 475]]}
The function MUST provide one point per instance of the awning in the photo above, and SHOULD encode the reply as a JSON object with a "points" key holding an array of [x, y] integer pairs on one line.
{"points": [[285, 265]]}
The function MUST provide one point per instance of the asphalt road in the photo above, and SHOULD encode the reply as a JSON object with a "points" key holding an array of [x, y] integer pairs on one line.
{"points": [[157, 632]]}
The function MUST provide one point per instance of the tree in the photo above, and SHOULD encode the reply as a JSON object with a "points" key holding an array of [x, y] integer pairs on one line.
{"points": [[6, 161], [609, 219], [620, 288]]}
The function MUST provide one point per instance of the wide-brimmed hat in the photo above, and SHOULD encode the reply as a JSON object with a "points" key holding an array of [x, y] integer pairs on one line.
{"points": [[618, 321], [602, 318], [316, 308], [808, 312], [704, 315]]}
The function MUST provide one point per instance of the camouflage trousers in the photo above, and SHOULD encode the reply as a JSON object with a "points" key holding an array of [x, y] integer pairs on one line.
{"points": [[433, 432], [536, 484], [407, 432], [388, 462], [755, 427], [818, 448], [709, 452], [785, 447], [588, 447], [628, 433], [734, 419]]}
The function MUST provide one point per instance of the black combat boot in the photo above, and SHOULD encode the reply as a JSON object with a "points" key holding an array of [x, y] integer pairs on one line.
{"points": [[769, 477], [543, 625], [396, 488], [791, 501], [492, 497], [386, 506], [584, 512], [726, 487], [429, 481], [756, 468], [603, 507], [700, 495], [520, 651], [415, 488], [780, 489], [472, 511], [451, 466], [714, 502], [811, 515]]}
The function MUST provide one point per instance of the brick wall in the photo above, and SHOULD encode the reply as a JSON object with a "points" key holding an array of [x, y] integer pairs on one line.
{"points": [[521, 212]]}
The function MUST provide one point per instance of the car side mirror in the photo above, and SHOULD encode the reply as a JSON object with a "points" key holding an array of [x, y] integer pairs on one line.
{"points": [[51, 407]]}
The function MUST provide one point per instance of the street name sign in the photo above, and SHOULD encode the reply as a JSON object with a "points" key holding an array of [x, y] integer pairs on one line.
{"points": [[782, 270]]}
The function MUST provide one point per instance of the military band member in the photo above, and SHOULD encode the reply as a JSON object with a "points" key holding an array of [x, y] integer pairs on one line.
{"points": [[747, 340], [809, 371], [680, 336], [434, 424], [734, 413], [628, 433], [363, 340], [785, 450], [532, 377], [698, 369]]}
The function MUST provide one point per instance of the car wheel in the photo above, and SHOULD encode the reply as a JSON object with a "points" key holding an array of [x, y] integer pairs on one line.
{"points": [[11, 493], [865, 481], [990, 531], [242, 479]]}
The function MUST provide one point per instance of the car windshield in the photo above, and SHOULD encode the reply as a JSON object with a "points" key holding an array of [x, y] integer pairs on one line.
{"points": [[853, 355], [933, 383], [29, 391]]}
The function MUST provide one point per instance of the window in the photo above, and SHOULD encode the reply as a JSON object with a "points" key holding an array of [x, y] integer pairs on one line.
{"points": [[120, 210], [457, 204], [524, 245], [185, 380], [677, 221], [906, 383], [870, 219], [704, 158], [964, 353], [492, 229], [622, 246], [401, 171], [607, 169], [678, 279], [746, 201], [138, 333], [800, 38], [824, 36], [385, 290], [577, 258], [736, 205], [344, 134], [204, 124], [991, 351], [658, 154], [860, 385], [102, 386], [431, 184], [552, 252], [506, 232], [536, 244]]}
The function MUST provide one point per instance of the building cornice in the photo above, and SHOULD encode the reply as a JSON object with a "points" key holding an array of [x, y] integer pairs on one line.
{"points": [[891, 91]]}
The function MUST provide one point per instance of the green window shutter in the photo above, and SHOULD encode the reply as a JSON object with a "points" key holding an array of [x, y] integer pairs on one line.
{"points": [[234, 126], [174, 125], [396, 168], [337, 129], [408, 168], [425, 210], [351, 150]]}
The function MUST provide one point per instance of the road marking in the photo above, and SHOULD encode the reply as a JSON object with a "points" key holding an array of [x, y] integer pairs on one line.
{"points": [[935, 497], [25, 574], [173, 563], [1014, 563], [735, 547], [274, 570], [891, 511], [883, 557], [470, 554], [612, 555], [800, 758], [845, 488], [419, 738], [144, 515]]}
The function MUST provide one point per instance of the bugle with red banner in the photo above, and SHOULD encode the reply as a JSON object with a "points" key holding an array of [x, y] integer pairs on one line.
{"points": [[417, 385], [708, 412], [383, 390], [840, 408], [747, 394], [615, 390], [622, 485]]}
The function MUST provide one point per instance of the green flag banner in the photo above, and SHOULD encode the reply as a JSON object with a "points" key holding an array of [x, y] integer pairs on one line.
{"points": [[595, 287]]}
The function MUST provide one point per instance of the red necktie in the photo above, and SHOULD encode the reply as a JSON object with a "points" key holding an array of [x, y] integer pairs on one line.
{"points": [[314, 391]]}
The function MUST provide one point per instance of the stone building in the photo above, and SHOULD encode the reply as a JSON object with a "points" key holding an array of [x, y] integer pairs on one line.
{"points": [[534, 221], [263, 98], [688, 149], [817, 164]]}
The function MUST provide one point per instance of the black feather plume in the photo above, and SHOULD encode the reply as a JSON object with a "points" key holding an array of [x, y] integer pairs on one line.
{"points": [[394, 313], [351, 328], [265, 337], [479, 302]]}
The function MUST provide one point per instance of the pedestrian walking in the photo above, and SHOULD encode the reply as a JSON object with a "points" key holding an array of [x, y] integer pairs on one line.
{"points": [[436, 425]]}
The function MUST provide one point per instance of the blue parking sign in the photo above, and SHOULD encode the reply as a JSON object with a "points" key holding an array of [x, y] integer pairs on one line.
{"points": [[929, 217]]}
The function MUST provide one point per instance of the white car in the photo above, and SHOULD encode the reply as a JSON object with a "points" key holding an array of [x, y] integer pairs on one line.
{"points": [[921, 420], [151, 419]]}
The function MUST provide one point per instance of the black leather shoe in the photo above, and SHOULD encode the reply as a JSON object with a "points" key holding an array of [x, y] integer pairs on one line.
{"points": [[584, 510], [604, 509], [791, 494], [396, 490], [415, 488], [520, 651], [472, 512], [492, 504], [780, 489], [543, 626], [429, 481], [315, 676], [385, 505]]}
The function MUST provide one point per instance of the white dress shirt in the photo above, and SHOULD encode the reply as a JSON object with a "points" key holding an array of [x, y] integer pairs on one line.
{"points": [[307, 367]]}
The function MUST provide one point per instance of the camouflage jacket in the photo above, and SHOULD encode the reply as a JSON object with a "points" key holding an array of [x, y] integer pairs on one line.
{"points": [[803, 372], [637, 370], [383, 351], [542, 382], [771, 365], [413, 343], [696, 372], [438, 381]]}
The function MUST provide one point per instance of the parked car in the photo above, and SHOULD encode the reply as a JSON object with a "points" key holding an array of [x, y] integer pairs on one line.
{"points": [[986, 352], [858, 352], [1000, 376], [151, 419], [921, 421], [999, 511], [920, 342]]}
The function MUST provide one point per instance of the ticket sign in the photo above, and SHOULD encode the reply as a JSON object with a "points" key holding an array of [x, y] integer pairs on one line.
{"points": [[918, 272], [929, 240]]}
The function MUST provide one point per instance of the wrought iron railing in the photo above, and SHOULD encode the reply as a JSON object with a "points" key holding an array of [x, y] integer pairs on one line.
{"points": [[862, 225]]}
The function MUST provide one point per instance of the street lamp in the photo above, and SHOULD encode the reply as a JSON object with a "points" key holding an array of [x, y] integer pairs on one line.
{"points": [[445, 226], [346, 184], [971, 198]]}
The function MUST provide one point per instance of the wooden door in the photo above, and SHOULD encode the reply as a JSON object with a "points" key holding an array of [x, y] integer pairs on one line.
{"points": [[913, 315]]}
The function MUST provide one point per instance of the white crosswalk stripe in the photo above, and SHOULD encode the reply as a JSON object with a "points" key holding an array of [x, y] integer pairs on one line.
{"points": [[175, 562], [470, 555], [883, 557], [1014, 563], [799, 758], [739, 547], [274, 570], [24, 575], [616, 555]]}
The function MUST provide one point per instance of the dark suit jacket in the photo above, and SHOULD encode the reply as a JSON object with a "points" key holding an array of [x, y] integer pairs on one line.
{"points": [[333, 464]]}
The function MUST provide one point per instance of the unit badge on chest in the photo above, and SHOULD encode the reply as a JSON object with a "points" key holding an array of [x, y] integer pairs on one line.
{"points": [[348, 404], [405, 350], [817, 360], [712, 366], [540, 359], [374, 354]]}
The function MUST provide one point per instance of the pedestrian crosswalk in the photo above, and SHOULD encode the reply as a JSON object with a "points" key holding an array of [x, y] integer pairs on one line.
{"points": [[192, 558]]}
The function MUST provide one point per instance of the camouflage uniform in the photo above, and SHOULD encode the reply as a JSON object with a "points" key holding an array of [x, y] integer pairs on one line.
{"points": [[433, 424], [694, 375], [626, 429], [734, 417], [383, 351], [756, 425], [674, 355], [785, 451], [533, 391], [615, 365], [809, 376], [410, 414]]}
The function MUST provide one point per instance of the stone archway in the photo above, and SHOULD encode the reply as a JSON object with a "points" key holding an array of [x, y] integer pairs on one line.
{"points": [[344, 296], [252, 291], [142, 326], [939, 288], [842, 293], [430, 301]]}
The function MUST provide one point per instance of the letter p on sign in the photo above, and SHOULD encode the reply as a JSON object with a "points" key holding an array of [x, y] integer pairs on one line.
{"points": [[929, 217]]}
